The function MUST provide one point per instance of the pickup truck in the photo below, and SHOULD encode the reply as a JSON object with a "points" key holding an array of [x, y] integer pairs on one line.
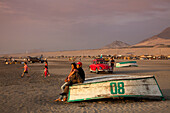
{"points": [[34, 59]]}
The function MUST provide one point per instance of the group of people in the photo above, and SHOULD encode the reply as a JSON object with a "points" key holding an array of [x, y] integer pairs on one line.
{"points": [[76, 75], [45, 73]]}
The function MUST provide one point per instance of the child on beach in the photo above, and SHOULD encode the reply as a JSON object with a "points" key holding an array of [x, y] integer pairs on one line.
{"points": [[45, 71], [25, 70], [46, 64]]}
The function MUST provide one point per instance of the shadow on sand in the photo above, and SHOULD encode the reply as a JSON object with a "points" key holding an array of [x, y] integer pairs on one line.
{"points": [[166, 94]]}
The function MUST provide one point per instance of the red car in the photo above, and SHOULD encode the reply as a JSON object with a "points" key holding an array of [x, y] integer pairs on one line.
{"points": [[100, 65]]}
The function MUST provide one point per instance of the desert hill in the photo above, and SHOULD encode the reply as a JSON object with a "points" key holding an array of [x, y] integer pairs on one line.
{"points": [[160, 40], [165, 34], [116, 44]]}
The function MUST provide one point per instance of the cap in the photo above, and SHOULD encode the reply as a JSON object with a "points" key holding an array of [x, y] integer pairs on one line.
{"points": [[79, 63]]}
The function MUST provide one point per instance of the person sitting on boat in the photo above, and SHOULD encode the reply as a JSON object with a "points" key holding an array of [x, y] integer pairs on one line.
{"points": [[80, 71], [68, 78], [77, 77]]}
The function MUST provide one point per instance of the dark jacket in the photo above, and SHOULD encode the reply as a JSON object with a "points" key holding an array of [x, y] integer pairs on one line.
{"points": [[111, 62], [81, 73]]}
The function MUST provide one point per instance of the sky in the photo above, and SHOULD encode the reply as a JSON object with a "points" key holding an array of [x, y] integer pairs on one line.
{"points": [[54, 25]]}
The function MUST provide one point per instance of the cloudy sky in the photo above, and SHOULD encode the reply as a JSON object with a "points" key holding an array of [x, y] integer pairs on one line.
{"points": [[53, 25]]}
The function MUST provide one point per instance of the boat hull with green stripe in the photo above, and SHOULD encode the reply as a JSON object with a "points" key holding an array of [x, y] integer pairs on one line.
{"points": [[127, 64], [115, 86]]}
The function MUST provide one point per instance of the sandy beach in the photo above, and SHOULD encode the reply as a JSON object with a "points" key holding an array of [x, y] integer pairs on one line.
{"points": [[36, 94], [95, 52]]}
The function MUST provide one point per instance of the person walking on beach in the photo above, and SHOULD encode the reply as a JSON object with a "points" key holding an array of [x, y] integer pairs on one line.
{"points": [[25, 70]]}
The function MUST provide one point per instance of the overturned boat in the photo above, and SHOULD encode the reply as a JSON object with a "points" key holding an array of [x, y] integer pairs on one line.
{"points": [[127, 64], [115, 86]]}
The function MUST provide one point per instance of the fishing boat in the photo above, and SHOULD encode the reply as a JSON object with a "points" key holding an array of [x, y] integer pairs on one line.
{"points": [[126, 64], [115, 86]]}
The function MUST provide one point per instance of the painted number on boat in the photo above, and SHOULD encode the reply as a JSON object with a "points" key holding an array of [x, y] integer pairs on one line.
{"points": [[118, 88]]}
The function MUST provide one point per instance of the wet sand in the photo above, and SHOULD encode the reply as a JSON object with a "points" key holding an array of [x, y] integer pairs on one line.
{"points": [[37, 94]]}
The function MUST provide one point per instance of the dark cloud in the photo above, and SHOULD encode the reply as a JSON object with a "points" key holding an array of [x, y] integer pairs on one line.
{"points": [[78, 24]]}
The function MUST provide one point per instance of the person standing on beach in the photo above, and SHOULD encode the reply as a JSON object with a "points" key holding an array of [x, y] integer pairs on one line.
{"points": [[111, 62], [45, 60], [6, 60], [46, 65], [45, 71], [25, 70]]}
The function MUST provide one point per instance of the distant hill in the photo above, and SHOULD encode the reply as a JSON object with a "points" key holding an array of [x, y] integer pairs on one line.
{"points": [[116, 44], [160, 40], [165, 34]]}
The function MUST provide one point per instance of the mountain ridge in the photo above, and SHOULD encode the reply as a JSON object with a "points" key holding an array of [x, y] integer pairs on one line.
{"points": [[116, 44], [162, 38]]}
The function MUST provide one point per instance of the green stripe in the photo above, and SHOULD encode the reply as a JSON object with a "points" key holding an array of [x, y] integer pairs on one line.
{"points": [[110, 97], [128, 66], [159, 88], [127, 62], [68, 94]]}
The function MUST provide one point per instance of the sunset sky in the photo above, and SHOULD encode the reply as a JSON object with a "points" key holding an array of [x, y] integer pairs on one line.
{"points": [[53, 25]]}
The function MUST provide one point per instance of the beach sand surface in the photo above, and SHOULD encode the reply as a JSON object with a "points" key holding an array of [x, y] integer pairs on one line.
{"points": [[36, 94]]}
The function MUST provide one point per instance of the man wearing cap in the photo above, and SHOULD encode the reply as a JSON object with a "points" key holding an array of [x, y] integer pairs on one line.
{"points": [[80, 71]]}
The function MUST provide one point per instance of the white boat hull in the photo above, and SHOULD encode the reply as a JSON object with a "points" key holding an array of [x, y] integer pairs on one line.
{"points": [[119, 86]]}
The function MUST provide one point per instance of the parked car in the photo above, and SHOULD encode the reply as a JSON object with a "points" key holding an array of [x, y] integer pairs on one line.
{"points": [[100, 65]]}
